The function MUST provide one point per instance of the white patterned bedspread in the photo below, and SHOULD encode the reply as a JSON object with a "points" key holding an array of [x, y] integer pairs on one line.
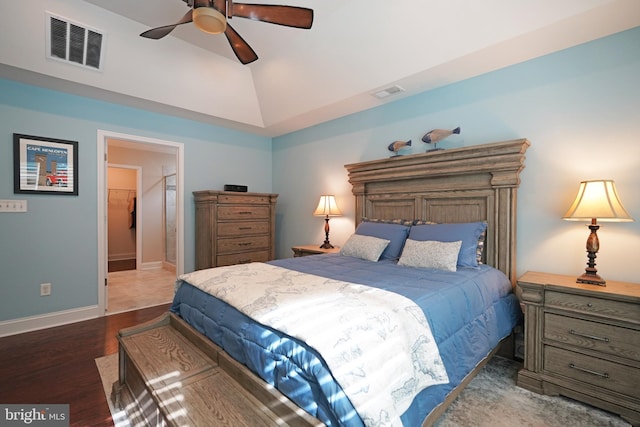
{"points": [[378, 344]]}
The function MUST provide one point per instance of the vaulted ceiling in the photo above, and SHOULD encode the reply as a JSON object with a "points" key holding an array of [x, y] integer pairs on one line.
{"points": [[355, 49]]}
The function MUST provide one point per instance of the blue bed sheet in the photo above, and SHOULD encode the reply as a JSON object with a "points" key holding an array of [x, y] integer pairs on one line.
{"points": [[469, 312]]}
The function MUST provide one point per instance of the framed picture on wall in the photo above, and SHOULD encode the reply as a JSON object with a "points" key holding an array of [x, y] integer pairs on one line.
{"points": [[44, 165]]}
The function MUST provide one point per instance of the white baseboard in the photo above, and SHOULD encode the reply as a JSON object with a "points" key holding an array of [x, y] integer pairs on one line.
{"points": [[151, 265], [43, 321], [168, 266]]}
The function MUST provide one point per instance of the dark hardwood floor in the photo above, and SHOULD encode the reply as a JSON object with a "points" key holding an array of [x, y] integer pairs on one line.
{"points": [[56, 365], [121, 265]]}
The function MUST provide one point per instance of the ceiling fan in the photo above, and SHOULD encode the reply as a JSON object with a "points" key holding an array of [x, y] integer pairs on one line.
{"points": [[211, 16]]}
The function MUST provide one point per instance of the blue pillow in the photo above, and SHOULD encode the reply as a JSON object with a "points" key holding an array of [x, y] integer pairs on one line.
{"points": [[468, 233], [396, 234]]}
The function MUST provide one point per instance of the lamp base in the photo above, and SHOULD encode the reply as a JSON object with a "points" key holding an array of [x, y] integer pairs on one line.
{"points": [[326, 244], [590, 275], [591, 279]]}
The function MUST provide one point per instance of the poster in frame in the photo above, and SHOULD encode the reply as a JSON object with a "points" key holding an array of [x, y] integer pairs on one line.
{"points": [[44, 165]]}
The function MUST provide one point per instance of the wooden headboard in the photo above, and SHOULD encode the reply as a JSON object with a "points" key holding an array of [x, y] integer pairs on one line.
{"points": [[477, 183]]}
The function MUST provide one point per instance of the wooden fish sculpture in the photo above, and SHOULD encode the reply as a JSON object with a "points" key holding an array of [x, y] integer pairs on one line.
{"points": [[398, 145], [432, 137]]}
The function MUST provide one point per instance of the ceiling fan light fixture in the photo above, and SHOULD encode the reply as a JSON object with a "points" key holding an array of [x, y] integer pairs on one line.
{"points": [[209, 20]]}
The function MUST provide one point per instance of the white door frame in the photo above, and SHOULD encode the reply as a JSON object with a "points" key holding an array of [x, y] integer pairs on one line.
{"points": [[102, 141]]}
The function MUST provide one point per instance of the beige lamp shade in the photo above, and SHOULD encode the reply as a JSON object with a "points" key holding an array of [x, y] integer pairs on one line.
{"points": [[327, 206], [597, 200], [209, 20]]}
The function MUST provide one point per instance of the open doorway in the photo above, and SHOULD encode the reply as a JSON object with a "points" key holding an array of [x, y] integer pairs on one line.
{"points": [[142, 212], [122, 217]]}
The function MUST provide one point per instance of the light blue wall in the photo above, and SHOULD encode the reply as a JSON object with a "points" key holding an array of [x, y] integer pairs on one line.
{"points": [[56, 240], [580, 108]]}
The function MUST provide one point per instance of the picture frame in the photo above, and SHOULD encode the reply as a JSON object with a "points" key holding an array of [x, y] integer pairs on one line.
{"points": [[44, 165]]}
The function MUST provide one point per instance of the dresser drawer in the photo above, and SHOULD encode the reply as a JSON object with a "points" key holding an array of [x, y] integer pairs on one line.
{"points": [[602, 373], [243, 258], [238, 244], [596, 336], [229, 229], [242, 212], [251, 199], [595, 306]]}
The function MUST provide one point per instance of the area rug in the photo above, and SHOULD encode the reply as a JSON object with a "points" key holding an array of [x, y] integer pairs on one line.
{"points": [[108, 369], [492, 399]]}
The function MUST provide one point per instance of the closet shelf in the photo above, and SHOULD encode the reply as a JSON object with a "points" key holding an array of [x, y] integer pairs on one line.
{"points": [[120, 194]]}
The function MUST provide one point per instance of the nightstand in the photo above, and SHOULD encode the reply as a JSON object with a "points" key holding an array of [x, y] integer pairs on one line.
{"points": [[312, 250], [582, 341]]}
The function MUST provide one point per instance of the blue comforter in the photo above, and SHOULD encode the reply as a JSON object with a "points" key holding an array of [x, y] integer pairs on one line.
{"points": [[469, 312]]}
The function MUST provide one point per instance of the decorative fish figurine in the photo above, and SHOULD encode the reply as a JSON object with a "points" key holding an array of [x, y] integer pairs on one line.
{"points": [[398, 145], [436, 135]]}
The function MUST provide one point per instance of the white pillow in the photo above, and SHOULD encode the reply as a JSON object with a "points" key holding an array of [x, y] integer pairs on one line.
{"points": [[364, 247], [430, 254]]}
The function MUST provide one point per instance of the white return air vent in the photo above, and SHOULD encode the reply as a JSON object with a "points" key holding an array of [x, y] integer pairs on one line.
{"points": [[74, 43]]}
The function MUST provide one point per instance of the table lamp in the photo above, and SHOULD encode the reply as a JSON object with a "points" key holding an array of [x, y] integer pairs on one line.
{"points": [[596, 200], [327, 207]]}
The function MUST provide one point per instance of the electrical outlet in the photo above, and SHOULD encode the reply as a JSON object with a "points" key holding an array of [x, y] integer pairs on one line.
{"points": [[45, 289], [13, 205]]}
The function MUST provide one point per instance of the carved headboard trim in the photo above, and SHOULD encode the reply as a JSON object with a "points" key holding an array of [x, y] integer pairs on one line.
{"points": [[476, 183]]}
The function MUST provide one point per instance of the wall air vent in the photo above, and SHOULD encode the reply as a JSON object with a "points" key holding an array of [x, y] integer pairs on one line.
{"points": [[381, 94], [74, 43]]}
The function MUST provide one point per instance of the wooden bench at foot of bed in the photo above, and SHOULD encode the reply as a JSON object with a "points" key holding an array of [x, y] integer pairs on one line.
{"points": [[170, 375]]}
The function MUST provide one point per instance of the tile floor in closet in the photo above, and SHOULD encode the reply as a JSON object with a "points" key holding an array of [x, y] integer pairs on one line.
{"points": [[134, 289]]}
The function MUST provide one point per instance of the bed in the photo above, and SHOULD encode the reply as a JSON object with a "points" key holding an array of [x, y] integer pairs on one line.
{"points": [[448, 265]]}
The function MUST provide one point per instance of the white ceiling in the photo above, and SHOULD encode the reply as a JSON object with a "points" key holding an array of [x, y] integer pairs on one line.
{"points": [[305, 77]]}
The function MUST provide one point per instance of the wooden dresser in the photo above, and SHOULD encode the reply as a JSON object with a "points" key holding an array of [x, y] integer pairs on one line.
{"points": [[583, 341], [234, 228]]}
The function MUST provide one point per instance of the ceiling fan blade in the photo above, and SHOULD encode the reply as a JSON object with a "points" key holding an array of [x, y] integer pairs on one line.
{"points": [[240, 47], [160, 32], [290, 16]]}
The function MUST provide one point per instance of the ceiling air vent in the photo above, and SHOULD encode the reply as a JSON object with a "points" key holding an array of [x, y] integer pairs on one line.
{"points": [[381, 94], [75, 43]]}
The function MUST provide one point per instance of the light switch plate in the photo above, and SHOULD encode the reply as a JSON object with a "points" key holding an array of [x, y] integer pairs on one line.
{"points": [[13, 205]]}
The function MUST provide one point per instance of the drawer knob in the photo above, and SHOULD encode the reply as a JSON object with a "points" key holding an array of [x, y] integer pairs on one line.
{"points": [[589, 305], [593, 337], [589, 371]]}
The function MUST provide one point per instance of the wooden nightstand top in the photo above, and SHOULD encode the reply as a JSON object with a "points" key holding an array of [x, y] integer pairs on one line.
{"points": [[303, 250], [551, 280]]}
